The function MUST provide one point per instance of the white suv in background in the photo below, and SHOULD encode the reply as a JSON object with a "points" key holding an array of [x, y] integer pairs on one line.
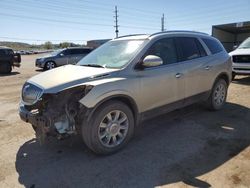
{"points": [[241, 59]]}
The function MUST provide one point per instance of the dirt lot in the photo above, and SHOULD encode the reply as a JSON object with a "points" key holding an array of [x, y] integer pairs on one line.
{"points": [[188, 147]]}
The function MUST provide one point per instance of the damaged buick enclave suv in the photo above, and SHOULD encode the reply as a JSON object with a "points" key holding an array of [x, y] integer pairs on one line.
{"points": [[129, 79]]}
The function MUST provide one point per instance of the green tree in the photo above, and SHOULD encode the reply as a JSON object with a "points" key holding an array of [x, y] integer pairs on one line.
{"points": [[64, 45], [48, 45]]}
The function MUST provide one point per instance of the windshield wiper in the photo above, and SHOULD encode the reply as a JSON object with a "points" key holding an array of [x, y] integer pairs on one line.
{"points": [[94, 65]]}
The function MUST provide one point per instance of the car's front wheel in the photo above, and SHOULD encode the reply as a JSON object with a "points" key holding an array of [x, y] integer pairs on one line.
{"points": [[110, 129], [49, 65]]}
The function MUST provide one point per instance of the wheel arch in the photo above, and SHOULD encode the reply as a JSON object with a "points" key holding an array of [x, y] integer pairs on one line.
{"points": [[223, 76], [129, 101]]}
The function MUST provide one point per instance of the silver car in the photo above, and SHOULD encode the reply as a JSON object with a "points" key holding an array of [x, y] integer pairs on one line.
{"points": [[62, 57], [122, 83]]}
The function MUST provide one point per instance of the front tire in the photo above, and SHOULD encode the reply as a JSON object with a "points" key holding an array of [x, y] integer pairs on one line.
{"points": [[218, 95], [110, 128], [49, 65]]}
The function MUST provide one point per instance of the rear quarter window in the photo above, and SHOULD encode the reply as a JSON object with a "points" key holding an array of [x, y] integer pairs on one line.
{"points": [[213, 45]]}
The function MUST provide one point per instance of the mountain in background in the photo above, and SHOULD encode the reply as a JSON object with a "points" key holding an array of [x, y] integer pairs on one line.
{"points": [[46, 45]]}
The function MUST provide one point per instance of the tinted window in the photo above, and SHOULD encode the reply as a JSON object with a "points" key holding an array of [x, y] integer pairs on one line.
{"points": [[201, 49], [66, 52], [188, 48], [2, 52], [213, 46], [165, 49], [79, 51], [85, 51]]}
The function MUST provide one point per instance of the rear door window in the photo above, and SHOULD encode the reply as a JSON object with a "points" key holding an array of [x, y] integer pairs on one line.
{"points": [[189, 48]]}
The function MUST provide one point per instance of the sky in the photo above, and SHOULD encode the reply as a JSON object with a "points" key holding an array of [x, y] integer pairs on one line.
{"points": [[38, 21]]}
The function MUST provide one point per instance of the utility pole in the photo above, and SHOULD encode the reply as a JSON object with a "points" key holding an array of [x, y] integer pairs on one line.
{"points": [[162, 23], [116, 22]]}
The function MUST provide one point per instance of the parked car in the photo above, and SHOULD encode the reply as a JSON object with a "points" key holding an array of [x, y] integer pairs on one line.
{"points": [[62, 57], [8, 60], [122, 83], [241, 59]]}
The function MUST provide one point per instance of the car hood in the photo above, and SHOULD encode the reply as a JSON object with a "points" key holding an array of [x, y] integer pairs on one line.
{"points": [[64, 77], [240, 52]]}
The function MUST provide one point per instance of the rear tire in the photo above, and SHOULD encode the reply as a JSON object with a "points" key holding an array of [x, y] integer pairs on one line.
{"points": [[218, 95], [5, 68], [110, 128]]}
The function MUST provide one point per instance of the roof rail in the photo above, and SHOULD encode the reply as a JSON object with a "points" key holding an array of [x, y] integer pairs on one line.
{"points": [[129, 35], [179, 31]]}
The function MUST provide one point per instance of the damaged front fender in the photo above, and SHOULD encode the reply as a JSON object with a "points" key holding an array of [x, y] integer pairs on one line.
{"points": [[56, 114]]}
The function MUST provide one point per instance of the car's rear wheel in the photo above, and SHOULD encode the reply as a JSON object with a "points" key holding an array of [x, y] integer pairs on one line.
{"points": [[5, 67], [218, 95], [49, 65], [110, 128]]}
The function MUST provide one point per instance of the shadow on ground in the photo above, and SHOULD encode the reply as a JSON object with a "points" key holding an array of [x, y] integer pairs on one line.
{"points": [[39, 70], [176, 147], [9, 74], [242, 80]]}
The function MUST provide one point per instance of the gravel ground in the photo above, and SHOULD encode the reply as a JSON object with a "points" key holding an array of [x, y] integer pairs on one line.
{"points": [[187, 147]]}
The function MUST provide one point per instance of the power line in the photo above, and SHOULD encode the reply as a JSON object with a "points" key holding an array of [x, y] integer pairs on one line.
{"points": [[57, 11], [54, 20], [72, 22]]}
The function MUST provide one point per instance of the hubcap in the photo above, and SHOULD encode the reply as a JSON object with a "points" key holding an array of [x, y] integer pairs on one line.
{"points": [[50, 65], [219, 94], [113, 128]]}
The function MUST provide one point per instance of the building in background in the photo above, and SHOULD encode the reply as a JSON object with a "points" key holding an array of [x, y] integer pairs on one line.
{"points": [[231, 34], [96, 43]]}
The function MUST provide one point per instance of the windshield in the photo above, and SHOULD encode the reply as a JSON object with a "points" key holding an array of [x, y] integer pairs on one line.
{"points": [[113, 54], [245, 44]]}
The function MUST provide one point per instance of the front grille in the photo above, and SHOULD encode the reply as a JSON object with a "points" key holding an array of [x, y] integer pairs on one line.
{"points": [[241, 58], [31, 93], [242, 69]]}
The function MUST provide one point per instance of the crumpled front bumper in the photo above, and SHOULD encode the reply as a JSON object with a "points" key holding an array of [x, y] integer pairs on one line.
{"points": [[33, 118]]}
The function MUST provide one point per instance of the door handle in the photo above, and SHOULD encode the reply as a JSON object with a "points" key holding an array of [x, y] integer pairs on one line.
{"points": [[178, 75], [208, 67]]}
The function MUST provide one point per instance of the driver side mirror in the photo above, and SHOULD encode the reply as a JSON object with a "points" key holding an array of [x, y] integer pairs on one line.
{"points": [[61, 54], [235, 46], [152, 61]]}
